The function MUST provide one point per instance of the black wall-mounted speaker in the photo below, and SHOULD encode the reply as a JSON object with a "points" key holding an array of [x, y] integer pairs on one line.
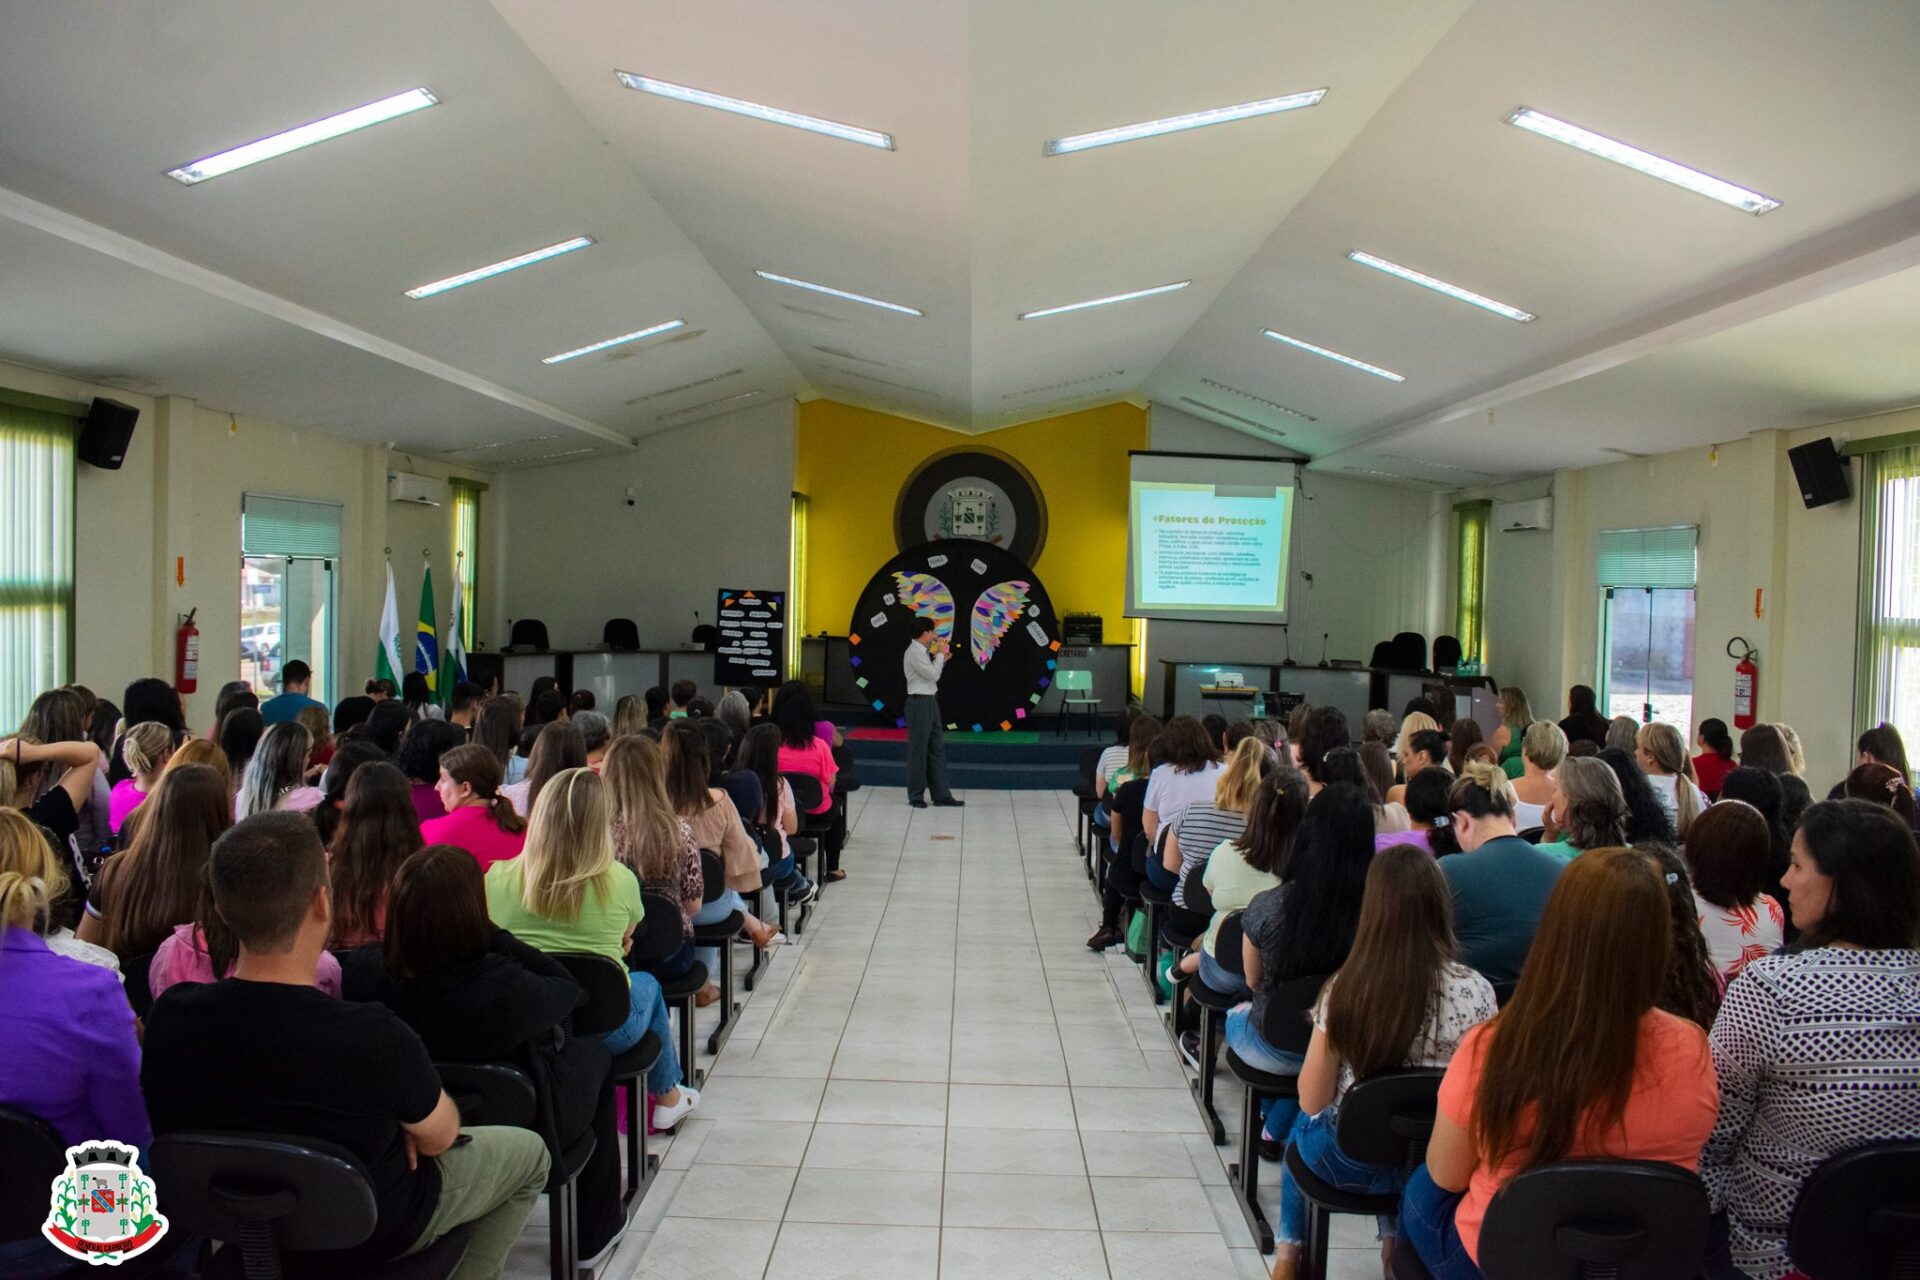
{"points": [[1821, 472], [105, 433]]}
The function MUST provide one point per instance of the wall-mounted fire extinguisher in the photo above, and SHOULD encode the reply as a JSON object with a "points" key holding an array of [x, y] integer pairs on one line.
{"points": [[186, 655], [1746, 679]]}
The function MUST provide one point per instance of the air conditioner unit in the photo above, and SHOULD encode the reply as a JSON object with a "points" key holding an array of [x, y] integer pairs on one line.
{"points": [[404, 486], [1534, 513]]}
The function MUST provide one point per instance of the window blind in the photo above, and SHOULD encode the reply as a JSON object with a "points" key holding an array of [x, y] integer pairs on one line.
{"points": [[1649, 557], [289, 527], [36, 557], [1887, 675]]}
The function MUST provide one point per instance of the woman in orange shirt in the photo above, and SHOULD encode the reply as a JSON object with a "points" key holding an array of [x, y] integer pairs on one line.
{"points": [[1580, 1063]]}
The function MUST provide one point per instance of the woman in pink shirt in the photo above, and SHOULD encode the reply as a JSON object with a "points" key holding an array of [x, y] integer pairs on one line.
{"points": [[146, 747], [479, 819]]}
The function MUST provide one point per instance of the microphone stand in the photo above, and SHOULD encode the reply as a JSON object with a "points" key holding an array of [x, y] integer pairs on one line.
{"points": [[1324, 637], [1288, 641]]}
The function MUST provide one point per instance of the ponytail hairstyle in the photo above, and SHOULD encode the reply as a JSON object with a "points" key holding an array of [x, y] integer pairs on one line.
{"points": [[647, 836], [1482, 790], [278, 765], [1796, 754], [1462, 735], [145, 748], [1240, 780], [1668, 751], [1416, 722], [1397, 967], [31, 879], [1882, 784], [1692, 989], [1713, 733], [1278, 808], [476, 766]]}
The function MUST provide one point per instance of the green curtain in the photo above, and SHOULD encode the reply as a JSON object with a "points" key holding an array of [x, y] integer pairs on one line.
{"points": [[466, 549], [36, 556], [1887, 663], [1470, 620]]}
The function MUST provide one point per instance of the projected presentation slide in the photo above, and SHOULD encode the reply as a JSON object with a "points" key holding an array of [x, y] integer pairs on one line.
{"points": [[1209, 537]]}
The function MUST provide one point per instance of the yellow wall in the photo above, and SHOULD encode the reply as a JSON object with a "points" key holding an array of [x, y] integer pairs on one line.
{"points": [[852, 463]]}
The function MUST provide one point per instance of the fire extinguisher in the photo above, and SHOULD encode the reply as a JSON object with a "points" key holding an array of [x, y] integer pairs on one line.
{"points": [[1746, 677], [186, 655]]}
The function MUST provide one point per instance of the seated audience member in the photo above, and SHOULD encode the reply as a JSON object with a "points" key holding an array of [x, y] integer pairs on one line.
{"points": [[148, 698], [1515, 716], [1646, 820], [1662, 757], [1729, 851], [379, 690], [1796, 754], [1500, 883], [1410, 724], [153, 886], [1881, 784], [1463, 735], [1761, 789], [656, 700], [1429, 801], [263, 1053], [233, 695], [545, 685], [716, 825], [1815, 1048], [463, 706], [1583, 722], [558, 748], [58, 716], [496, 727], [1795, 798], [388, 724], [1142, 732], [1422, 749], [1623, 734], [1297, 729], [803, 750], [580, 700], [699, 708], [1188, 774], [682, 692], [735, 713], [1113, 757], [1126, 821], [1588, 811], [333, 784], [1542, 748], [314, 721], [201, 751], [417, 695], [1881, 744], [378, 831], [1324, 731], [1343, 765], [651, 841], [629, 716], [595, 734], [741, 786], [1192, 838], [1715, 761], [1243, 866], [1389, 814], [479, 819], [419, 760], [276, 777], [566, 893], [759, 755], [147, 748], [1304, 927], [1215, 726], [1693, 986], [1765, 747], [475, 993], [238, 737], [295, 679], [57, 808], [1400, 1000], [350, 712], [104, 724], [1378, 725], [1580, 1064], [1421, 706]]}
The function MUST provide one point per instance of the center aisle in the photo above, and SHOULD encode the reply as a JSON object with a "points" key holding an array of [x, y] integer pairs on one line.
{"points": [[940, 1079]]}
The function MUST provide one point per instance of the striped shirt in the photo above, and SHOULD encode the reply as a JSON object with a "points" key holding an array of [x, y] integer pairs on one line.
{"points": [[1200, 828], [1816, 1052]]}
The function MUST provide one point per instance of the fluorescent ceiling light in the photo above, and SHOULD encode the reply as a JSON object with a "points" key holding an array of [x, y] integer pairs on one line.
{"points": [[1440, 286], [1180, 124], [500, 268], [305, 135], [840, 293], [772, 115], [1101, 302], [1349, 361], [1271, 404], [623, 339], [1642, 161]]}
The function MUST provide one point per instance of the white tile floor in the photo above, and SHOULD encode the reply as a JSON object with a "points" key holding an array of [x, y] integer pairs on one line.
{"points": [[940, 1080]]}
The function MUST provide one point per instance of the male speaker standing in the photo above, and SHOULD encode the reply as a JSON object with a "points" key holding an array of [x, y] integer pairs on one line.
{"points": [[926, 658]]}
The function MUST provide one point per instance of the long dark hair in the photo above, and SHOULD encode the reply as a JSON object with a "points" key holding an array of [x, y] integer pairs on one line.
{"points": [[1273, 821], [559, 746], [333, 784], [1646, 819], [1324, 882], [436, 913], [1397, 967], [1691, 991], [793, 712], [151, 698], [1461, 735], [386, 723], [497, 727], [1325, 730], [156, 883], [239, 735], [689, 767], [379, 829], [1765, 747], [1884, 744], [759, 755]]}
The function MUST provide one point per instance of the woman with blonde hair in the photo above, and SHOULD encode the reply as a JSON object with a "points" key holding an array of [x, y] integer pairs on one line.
{"points": [[1796, 754], [1589, 810], [651, 841], [565, 892], [1199, 830], [146, 748], [1515, 715], [276, 776], [1541, 751], [1415, 722], [1662, 755]]}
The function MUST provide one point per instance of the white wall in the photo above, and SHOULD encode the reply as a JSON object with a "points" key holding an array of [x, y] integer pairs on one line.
{"points": [[712, 509]]}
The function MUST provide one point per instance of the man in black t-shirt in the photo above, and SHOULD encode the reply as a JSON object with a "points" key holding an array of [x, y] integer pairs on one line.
{"points": [[264, 1052]]}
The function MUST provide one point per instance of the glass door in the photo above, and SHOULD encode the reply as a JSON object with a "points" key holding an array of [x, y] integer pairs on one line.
{"points": [[287, 611], [1646, 654]]}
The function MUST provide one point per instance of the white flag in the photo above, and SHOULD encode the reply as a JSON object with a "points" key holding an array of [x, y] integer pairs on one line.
{"points": [[454, 649], [386, 663]]}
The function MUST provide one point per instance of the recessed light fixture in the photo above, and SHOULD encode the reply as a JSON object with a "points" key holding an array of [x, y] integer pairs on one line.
{"points": [[1271, 404], [713, 404], [1243, 421], [685, 386], [1646, 162], [622, 340], [1102, 302], [772, 115], [1349, 361], [1180, 124], [305, 135], [840, 293], [500, 268], [544, 457], [1439, 286]]}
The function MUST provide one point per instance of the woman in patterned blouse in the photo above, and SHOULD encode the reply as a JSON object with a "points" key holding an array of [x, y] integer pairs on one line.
{"points": [[1814, 1049], [1729, 851]]}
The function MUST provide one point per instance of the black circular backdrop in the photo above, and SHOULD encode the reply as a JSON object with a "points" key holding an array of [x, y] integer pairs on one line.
{"points": [[915, 514], [1004, 692]]}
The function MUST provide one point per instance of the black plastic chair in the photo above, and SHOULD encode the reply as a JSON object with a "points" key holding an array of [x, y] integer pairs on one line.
{"points": [[814, 827], [528, 633], [1286, 1027], [1503, 992], [720, 934], [1083, 792], [1446, 653], [1213, 1006], [495, 1093], [1385, 1120], [1858, 1216], [33, 1155], [1596, 1220], [620, 634], [658, 938], [607, 1005], [135, 974], [276, 1201]]}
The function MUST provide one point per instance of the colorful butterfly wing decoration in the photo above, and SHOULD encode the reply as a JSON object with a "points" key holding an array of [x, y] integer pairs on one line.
{"points": [[928, 597], [997, 609]]}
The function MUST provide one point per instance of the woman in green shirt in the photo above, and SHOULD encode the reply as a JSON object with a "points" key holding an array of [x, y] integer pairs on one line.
{"points": [[565, 892], [1588, 810], [1515, 715]]}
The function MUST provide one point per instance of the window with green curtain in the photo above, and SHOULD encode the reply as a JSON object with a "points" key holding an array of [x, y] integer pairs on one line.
{"points": [[36, 556], [796, 584], [1470, 606], [1887, 669], [466, 549], [1664, 557]]}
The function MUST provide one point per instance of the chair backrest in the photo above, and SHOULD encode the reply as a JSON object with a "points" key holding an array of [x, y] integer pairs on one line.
{"points": [[1228, 941], [528, 633], [1387, 1118], [1503, 992], [660, 933], [1446, 652], [1577, 1219], [310, 1194], [1070, 681], [33, 1155], [807, 791], [1410, 651], [620, 633], [1199, 899], [1089, 761], [707, 636], [136, 973], [1858, 1216], [1533, 835], [714, 871], [1288, 1024], [489, 1093], [1383, 656], [608, 999]]}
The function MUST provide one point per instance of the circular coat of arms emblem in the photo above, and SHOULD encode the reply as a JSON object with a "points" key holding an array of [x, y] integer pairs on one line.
{"points": [[972, 493]]}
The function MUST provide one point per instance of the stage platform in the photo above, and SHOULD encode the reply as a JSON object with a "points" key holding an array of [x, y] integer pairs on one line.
{"points": [[1018, 761]]}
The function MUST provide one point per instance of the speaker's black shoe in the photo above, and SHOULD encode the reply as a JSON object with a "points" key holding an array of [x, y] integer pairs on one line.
{"points": [[918, 804], [950, 803]]}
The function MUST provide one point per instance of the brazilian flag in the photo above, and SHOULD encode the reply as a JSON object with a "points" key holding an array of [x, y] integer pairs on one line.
{"points": [[426, 647]]}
